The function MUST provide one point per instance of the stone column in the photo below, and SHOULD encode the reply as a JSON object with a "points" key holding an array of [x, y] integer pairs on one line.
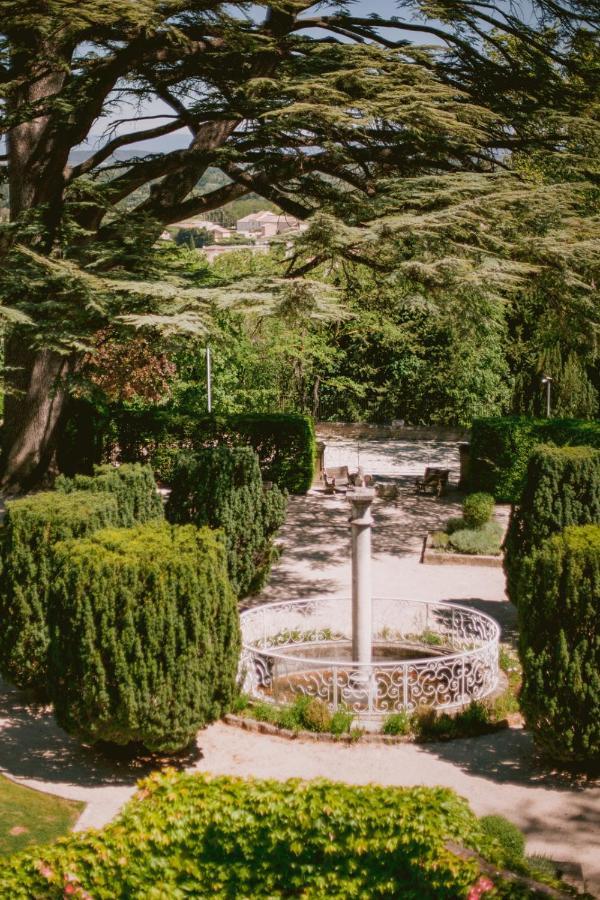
{"points": [[362, 611]]}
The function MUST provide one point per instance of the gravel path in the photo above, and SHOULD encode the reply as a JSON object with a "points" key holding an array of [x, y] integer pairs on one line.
{"points": [[496, 773]]}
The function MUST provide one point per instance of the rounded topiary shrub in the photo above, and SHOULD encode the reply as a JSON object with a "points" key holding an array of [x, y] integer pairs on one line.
{"points": [[144, 635], [559, 644], [222, 487], [32, 527], [132, 484], [478, 509]]}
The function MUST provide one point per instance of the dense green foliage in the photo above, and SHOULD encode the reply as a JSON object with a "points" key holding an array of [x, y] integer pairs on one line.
{"points": [[501, 447], [285, 443], [80, 506], [223, 837], [222, 487], [31, 528], [510, 838], [562, 487], [559, 644], [144, 635], [474, 532], [478, 509], [132, 484]]}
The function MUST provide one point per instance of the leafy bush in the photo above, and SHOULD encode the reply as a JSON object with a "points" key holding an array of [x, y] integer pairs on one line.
{"points": [[562, 488], [222, 488], [132, 484], [440, 540], [316, 715], [508, 836], [285, 443], [501, 447], [478, 509], [486, 540], [203, 836], [430, 725], [397, 724], [559, 644], [32, 526], [304, 714], [144, 635]]}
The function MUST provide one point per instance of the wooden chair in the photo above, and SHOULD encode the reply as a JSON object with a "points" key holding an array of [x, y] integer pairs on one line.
{"points": [[434, 480], [336, 478]]}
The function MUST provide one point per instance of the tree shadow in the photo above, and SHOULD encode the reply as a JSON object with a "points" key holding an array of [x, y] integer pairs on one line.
{"points": [[33, 746], [507, 757]]}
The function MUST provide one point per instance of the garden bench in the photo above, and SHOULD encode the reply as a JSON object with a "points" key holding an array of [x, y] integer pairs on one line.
{"points": [[434, 480], [336, 478]]}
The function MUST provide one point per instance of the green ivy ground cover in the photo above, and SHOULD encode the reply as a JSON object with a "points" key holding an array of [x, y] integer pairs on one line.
{"points": [[196, 836]]}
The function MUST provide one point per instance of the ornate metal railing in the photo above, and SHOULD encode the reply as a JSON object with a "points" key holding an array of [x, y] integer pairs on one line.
{"points": [[438, 655]]}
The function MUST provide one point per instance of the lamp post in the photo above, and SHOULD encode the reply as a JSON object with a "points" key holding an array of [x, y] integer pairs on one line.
{"points": [[548, 382], [208, 380]]}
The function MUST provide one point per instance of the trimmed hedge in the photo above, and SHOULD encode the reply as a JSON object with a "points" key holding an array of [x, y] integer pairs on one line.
{"points": [[80, 506], [203, 836], [222, 488], [559, 644], [562, 488], [144, 635], [32, 526], [285, 443], [132, 484], [501, 447]]}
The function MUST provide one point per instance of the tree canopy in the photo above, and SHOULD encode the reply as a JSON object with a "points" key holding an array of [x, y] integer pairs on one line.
{"points": [[410, 120]]}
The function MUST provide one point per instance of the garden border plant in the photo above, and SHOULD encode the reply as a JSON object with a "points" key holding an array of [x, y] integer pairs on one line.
{"points": [[229, 837]]}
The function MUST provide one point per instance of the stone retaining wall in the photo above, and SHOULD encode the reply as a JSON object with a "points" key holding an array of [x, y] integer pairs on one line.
{"points": [[369, 432]]}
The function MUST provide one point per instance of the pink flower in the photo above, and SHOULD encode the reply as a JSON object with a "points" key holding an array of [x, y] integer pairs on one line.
{"points": [[482, 886]]}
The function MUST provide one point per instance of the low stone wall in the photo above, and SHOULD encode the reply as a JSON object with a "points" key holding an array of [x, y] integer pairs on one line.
{"points": [[369, 432]]}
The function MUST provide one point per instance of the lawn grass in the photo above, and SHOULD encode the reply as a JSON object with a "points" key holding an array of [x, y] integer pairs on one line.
{"points": [[30, 817]]}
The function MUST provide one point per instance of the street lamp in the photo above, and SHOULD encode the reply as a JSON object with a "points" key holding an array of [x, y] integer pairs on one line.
{"points": [[208, 380], [548, 382]]}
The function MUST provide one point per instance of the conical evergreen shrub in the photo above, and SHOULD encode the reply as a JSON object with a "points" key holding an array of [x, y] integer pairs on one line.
{"points": [[222, 487], [31, 528], [562, 488], [144, 635], [559, 643]]}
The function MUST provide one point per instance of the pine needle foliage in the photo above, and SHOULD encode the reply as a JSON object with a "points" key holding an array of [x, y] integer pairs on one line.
{"points": [[562, 488], [222, 488], [144, 635], [32, 527], [559, 644], [118, 497], [132, 484]]}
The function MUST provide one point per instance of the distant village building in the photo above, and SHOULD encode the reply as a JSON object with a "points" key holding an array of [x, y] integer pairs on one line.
{"points": [[265, 224], [217, 232]]}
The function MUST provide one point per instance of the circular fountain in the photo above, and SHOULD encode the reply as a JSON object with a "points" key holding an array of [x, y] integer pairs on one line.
{"points": [[371, 656]]}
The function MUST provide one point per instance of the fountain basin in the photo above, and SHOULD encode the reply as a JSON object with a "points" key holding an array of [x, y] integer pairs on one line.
{"points": [[436, 655]]}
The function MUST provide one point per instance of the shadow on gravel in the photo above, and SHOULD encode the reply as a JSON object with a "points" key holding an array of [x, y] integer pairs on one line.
{"points": [[33, 746], [508, 757]]}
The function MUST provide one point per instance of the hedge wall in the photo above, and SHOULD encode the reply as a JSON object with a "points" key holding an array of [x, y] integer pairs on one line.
{"points": [[222, 488], [31, 528], [203, 836], [132, 484], [501, 447], [559, 615], [562, 487], [144, 635], [285, 443]]}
